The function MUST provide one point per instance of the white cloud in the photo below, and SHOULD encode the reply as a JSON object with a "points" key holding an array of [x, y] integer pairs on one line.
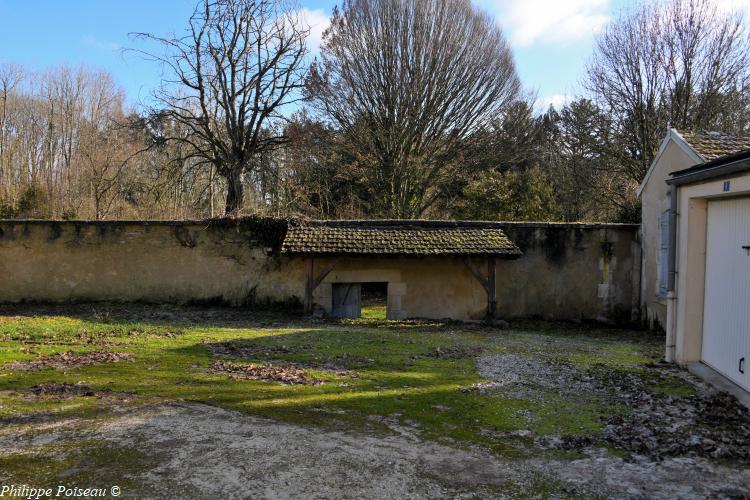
{"points": [[317, 20], [94, 42], [734, 5], [550, 21], [556, 100]]}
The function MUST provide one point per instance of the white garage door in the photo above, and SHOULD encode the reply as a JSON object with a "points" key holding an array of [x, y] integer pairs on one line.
{"points": [[726, 320]]}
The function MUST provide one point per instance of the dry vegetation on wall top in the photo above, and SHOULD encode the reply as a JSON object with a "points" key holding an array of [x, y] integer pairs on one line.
{"points": [[264, 231]]}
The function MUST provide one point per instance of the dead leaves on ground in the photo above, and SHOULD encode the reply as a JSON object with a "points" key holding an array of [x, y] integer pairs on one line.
{"points": [[70, 359], [61, 390], [252, 351], [284, 374]]}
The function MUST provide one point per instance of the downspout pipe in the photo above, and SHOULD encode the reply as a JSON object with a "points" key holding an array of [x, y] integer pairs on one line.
{"points": [[671, 337]]}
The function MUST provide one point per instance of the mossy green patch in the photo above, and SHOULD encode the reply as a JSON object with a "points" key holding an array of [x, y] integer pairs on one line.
{"points": [[672, 386], [82, 463], [415, 373]]}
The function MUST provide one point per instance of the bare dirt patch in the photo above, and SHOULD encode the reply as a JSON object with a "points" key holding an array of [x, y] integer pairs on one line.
{"points": [[203, 452], [70, 359], [241, 349], [57, 391], [60, 390], [284, 374]]}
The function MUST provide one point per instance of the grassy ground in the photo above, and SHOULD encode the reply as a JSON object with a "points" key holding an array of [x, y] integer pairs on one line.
{"points": [[418, 371], [374, 309]]}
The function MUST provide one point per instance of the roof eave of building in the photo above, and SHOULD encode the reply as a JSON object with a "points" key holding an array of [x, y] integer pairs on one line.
{"points": [[722, 167]]}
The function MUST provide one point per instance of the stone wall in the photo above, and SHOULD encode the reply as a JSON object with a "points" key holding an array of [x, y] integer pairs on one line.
{"points": [[179, 262], [572, 271], [568, 271]]}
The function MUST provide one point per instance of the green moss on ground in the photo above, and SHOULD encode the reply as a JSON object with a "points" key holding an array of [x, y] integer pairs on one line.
{"points": [[83, 464], [415, 373]]}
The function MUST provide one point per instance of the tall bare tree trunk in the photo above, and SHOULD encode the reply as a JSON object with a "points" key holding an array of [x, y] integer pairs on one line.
{"points": [[234, 192], [211, 190], [2, 138]]}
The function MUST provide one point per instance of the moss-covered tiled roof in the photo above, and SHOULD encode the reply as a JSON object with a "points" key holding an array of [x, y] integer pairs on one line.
{"points": [[393, 237], [712, 145]]}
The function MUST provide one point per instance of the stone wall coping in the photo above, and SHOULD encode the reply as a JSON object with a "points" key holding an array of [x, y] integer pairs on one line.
{"points": [[122, 222], [344, 223]]}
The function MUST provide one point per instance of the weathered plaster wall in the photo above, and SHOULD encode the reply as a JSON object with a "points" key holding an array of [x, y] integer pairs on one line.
{"points": [[654, 201], [571, 271], [568, 271], [141, 261]]}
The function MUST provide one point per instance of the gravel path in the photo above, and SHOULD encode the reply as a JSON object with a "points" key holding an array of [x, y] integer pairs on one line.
{"points": [[523, 376]]}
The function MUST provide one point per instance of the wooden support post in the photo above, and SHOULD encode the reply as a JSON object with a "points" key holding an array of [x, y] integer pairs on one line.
{"points": [[309, 285], [477, 273], [319, 278], [487, 281], [491, 289], [312, 282]]}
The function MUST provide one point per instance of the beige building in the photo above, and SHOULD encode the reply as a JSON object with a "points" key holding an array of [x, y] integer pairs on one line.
{"points": [[696, 264], [351, 253], [679, 150]]}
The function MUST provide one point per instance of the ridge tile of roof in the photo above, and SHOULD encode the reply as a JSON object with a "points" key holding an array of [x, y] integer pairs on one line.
{"points": [[713, 145]]}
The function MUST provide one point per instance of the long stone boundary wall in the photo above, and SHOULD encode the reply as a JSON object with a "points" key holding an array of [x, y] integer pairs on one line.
{"points": [[568, 271]]}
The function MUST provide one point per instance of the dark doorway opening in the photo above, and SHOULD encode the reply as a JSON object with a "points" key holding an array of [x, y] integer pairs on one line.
{"points": [[375, 300]]}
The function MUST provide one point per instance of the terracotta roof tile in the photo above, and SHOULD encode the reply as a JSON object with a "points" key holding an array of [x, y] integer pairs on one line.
{"points": [[397, 238], [713, 145]]}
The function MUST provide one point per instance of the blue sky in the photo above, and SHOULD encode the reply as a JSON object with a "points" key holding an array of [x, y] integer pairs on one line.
{"points": [[552, 39]]}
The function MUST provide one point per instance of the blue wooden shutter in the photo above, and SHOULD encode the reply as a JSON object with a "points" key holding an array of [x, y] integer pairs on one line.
{"points": [[664, 254]]}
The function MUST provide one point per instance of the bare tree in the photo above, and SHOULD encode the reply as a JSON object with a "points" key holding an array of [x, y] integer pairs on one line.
{"points": [[240, 62], [627, 77], [707, 62], [69, 150], [10, 76], [318, 172], [106, 145], [682, 62], [408, 81]]}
